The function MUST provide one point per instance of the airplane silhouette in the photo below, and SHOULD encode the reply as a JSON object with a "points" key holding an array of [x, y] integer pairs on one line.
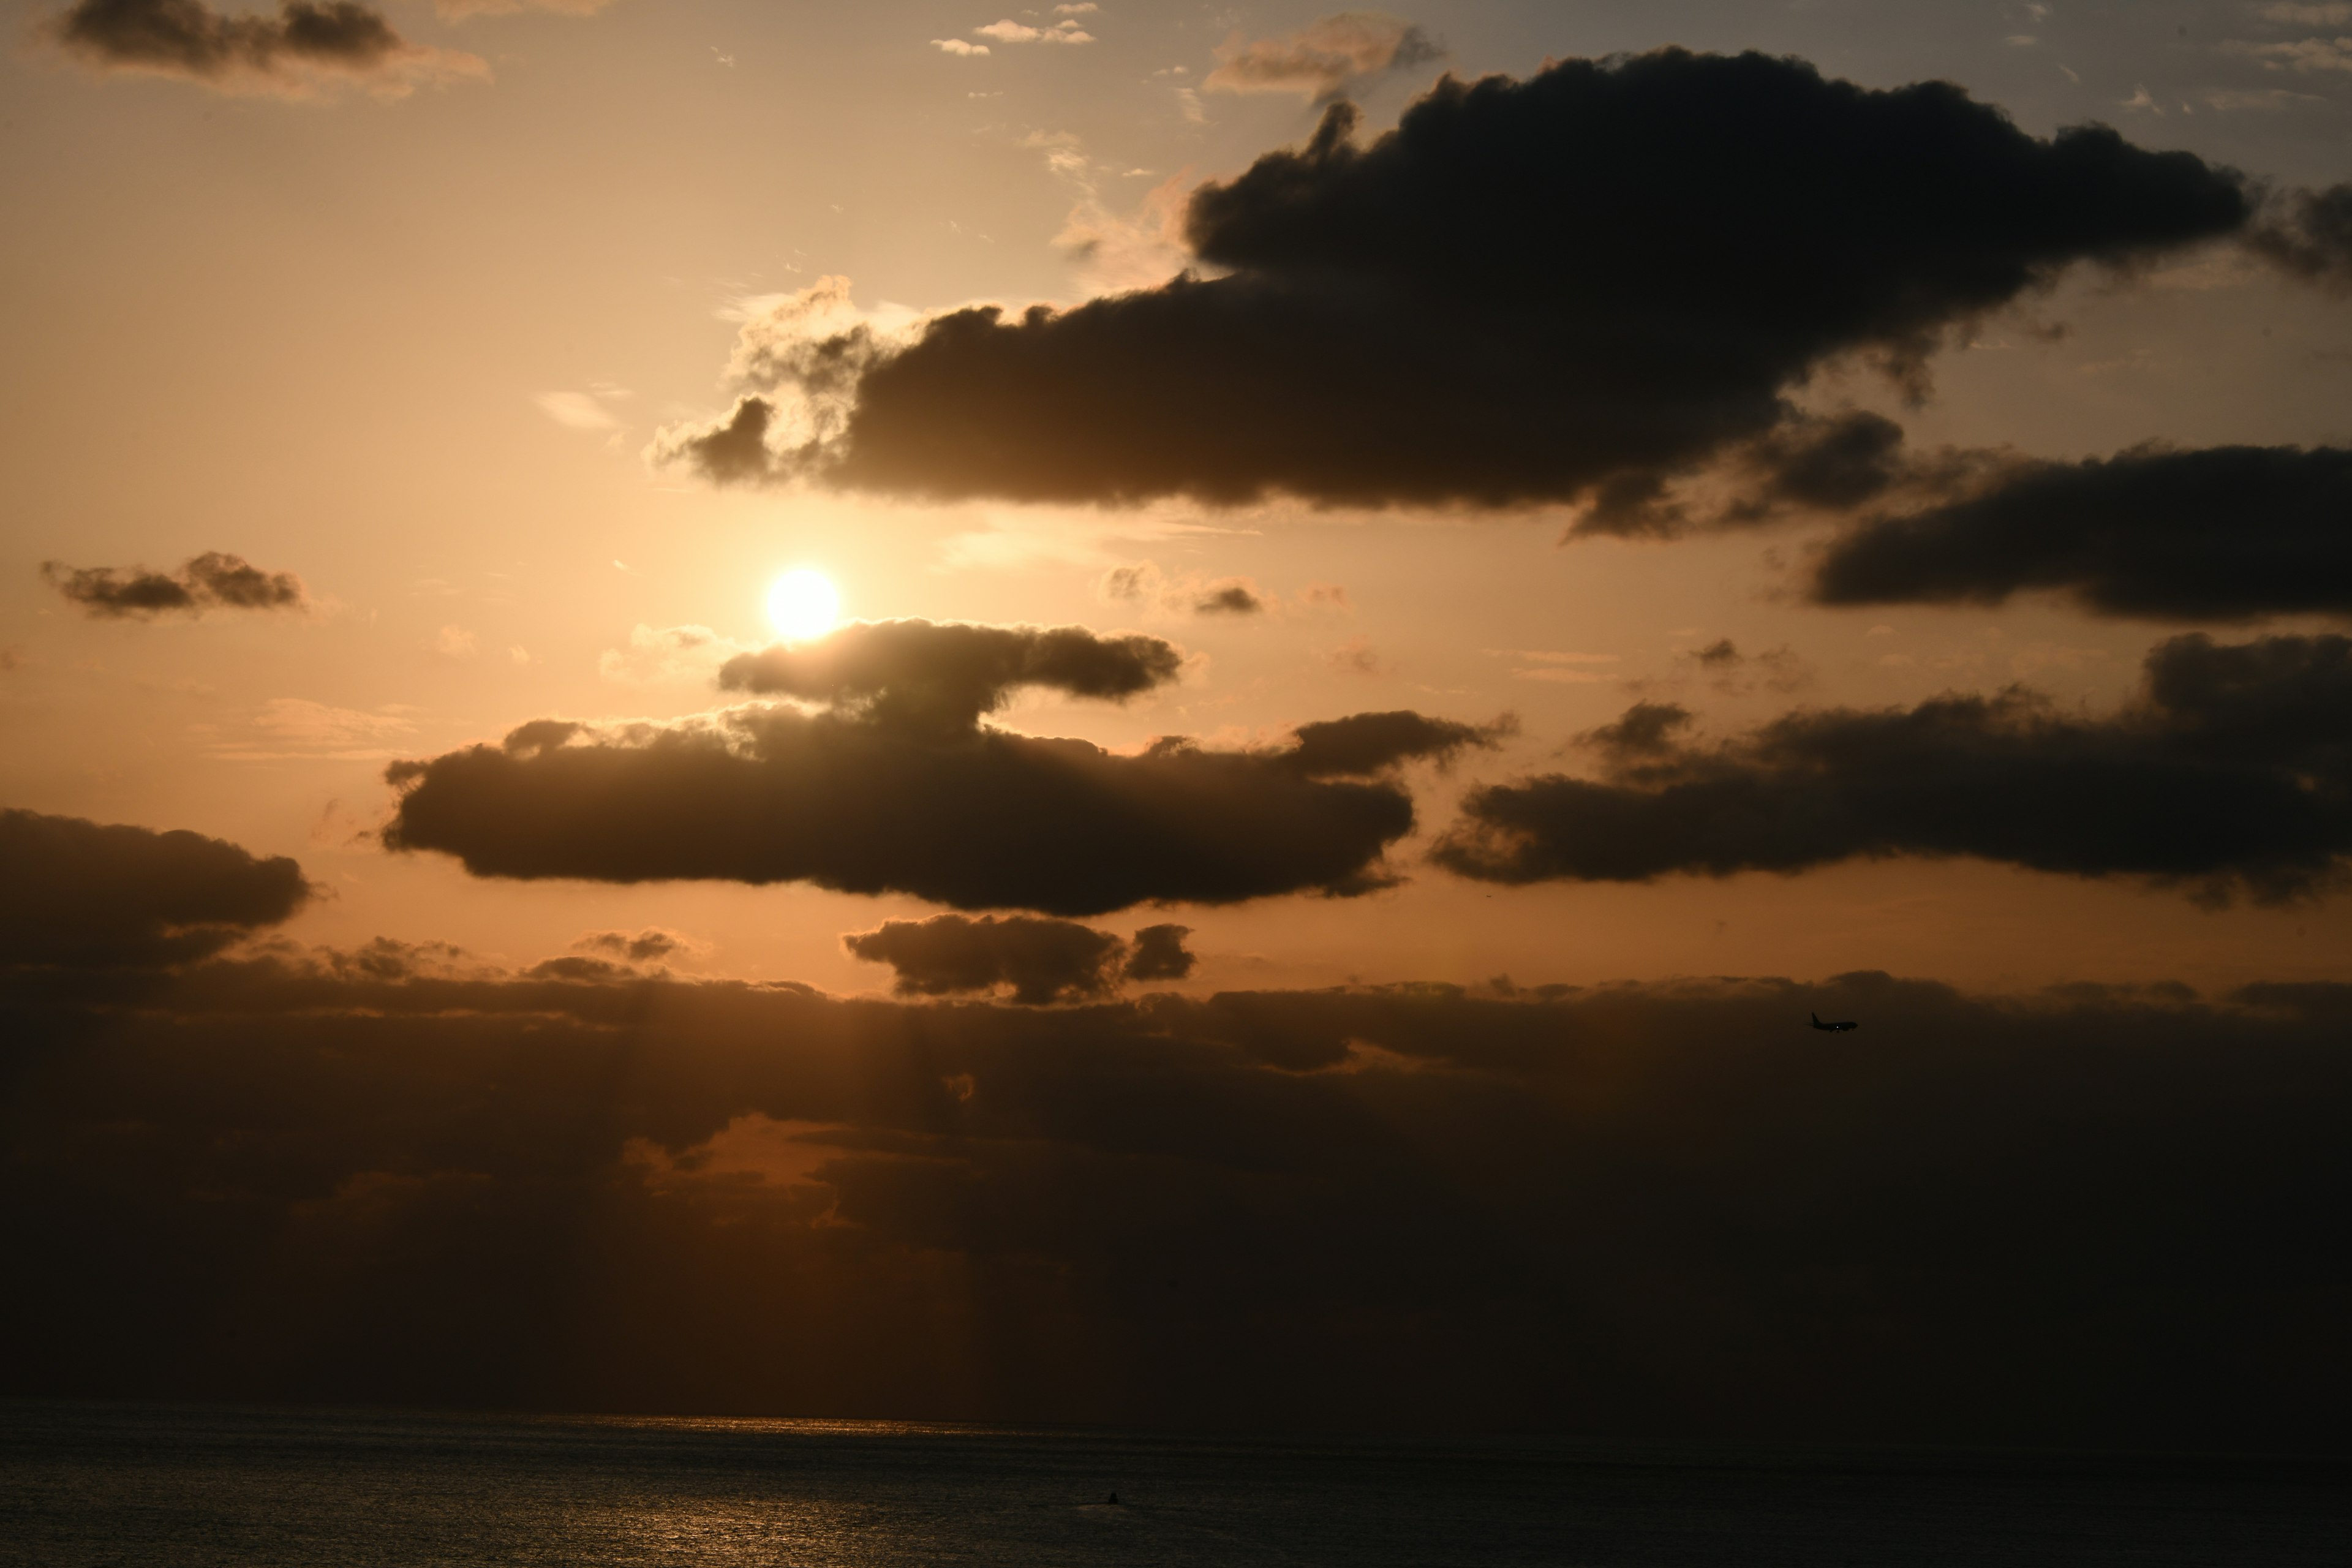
{"points": [[1839, 1028]]}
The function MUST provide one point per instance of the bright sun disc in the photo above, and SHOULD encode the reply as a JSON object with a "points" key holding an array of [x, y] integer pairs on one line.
{"points": [[803, 603]]}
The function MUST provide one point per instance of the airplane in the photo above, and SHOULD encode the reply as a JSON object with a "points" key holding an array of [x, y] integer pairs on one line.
{"points": [[1835, 1027]]}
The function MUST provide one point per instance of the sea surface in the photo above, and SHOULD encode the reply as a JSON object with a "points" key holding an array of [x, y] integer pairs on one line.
{"points": [[92, 1484]]}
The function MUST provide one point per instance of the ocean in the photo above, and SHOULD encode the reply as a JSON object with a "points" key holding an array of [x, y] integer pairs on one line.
{"points": [[190, 1487]]}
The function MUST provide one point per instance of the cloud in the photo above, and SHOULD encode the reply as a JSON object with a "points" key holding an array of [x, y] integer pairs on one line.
{"points": [[958, 46], [212, 581], [2090, 1218], [576, 411], [1809, 466], [948, 674], [2218, 534], [1068, 30], [309, 48], [1778, 669], [972, 818], [2309, 234], [1364, 743], [1143, 583], [896, 786], [2331, 14], [1160, 953], [1474, 309], [2303, 55], [1043, 961], [1229, 598], [1324, 60], [2231, 770], [651, 945], [87, 895]]}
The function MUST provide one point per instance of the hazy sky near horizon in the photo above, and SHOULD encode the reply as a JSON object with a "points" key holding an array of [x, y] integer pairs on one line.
{"points": [[1319, 504]]}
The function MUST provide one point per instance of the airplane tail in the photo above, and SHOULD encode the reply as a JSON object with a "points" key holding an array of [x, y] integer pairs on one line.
{"points": [[1816, 1018]]}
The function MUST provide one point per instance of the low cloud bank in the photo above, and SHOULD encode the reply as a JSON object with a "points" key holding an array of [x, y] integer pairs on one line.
{"points": [[2098, 1216]]}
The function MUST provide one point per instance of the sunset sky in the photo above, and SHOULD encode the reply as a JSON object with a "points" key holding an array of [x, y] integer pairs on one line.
{"points": [[1529, 546]]}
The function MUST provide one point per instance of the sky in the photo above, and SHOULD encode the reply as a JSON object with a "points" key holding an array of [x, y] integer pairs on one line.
{"points": [[1385, 604]]}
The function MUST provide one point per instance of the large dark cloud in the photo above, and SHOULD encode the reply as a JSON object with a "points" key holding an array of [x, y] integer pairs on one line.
{"points": [[1532, 290], [2096, 1217], [2231, 770], [208, 582], [948, 673], [2222, 533], [899, 789], [287, 53], [87, 894]]}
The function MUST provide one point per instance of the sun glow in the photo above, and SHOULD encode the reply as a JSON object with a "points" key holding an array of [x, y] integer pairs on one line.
{"points": [[803, 603]]}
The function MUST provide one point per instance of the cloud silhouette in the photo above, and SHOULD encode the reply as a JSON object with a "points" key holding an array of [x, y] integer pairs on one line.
{"points": [[1475, 309], [2232, 771], [2219, 533], [211, 580], [1043, 961], [88, 895], [309, 43], [898, 788], [948, 673]]}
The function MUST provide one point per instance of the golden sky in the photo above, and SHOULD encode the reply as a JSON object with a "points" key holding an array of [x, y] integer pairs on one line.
{"points": [[442, 318]]}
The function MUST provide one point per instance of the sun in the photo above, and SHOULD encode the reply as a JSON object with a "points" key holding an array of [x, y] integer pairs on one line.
{"points": [[803, 603]]}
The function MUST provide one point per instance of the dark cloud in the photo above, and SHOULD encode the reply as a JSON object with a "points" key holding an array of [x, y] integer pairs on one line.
{"points": [[90, 895], [2309, 233], [948, 673], [1736, 674], [1363, 744], [2221, 534], [1043, 961], [210, 581], [650, 945], [1478, 308], [1644, 730], [2232, 769], [284, 53], [2100, 1216], [1160, 953], [1329, 57], [1228, 599], [899, 789]]}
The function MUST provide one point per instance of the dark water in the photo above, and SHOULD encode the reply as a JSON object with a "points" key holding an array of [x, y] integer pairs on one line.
{"points": [[91, 1484]]}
